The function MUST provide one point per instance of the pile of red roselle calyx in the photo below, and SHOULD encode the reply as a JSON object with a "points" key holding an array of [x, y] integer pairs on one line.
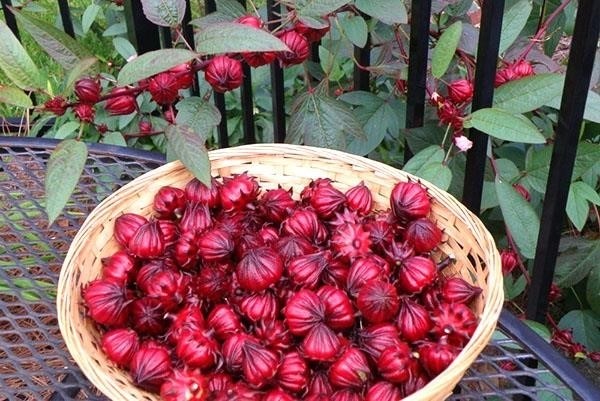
{"points": [[230, 293]]}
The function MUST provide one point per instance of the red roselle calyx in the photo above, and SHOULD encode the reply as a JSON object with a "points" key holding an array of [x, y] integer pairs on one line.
{"points": [[346, 395], [350, 370], [212, 282], [383, 391], [396, 364], [273, 334], [291, 247], [457, 290], [305, 271], [188, 319], [163, 88], [196, 191], [57, 105], [169, 230], [148, 316], [326, 200], [169, 202], [260, 306], [509, 260], [120, 345], [320, 344], [186, 250], [278, 395], [232, 352], [107, 302], [224, 321], [319, 385], [360, 199], [224, 73], [413, 321], [378, 301], [84, 112], [120, 102], [304, 311], [258, 364], [376, 338], [455, 321], [197, 349], [87, 90], [196, 218], [184, 385], [120, 267], [276, 204], [238, 191], [460, 91], [293, 372], [409, 200], [148, 241], [311, 34], [436, 357], [169, 287], [184, 75], [416, 273], [351, 241], [126, 225], [363, 270], [299, 48], [423, 235], [339, 313], [151, 366], [259, 269], [215, 245], [305, 223]]}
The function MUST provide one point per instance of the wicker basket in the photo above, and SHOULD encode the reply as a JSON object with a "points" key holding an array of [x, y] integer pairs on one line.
{"points": [[465, 238]]}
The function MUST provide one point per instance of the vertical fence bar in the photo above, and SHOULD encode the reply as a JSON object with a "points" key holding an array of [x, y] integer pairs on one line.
{"points": [[210, 7], [65, 16], [142, 33], [577, 82], [417, 66], [247, 102], [188, 35], [485, 71], [10, 19], [277, 88], [166, 36], [362, 76]]}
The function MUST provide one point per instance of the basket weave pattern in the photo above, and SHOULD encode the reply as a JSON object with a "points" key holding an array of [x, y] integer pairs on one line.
{"points": [[465, 239]]}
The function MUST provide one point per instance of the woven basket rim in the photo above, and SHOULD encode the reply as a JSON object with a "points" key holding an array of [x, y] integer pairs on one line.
{"points": [[488, 318]]}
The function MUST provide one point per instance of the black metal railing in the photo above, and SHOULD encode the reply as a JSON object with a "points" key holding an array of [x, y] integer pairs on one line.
{"points": [[145, 36]]}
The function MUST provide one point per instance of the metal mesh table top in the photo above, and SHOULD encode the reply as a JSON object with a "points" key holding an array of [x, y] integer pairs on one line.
{"points": [[34, 362]]}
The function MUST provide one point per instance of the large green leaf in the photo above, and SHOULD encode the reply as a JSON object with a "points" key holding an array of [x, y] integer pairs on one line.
{"points": [[576, 259], [387, 11], [77, 71], [592, 106], [189, 146], [522, 221], [504, 125], [152, 63], [164, 12], [64, 169], [593, 289], [445, 48], [428, 164], [199, 114], [239, 38], [89, 16], [528, 93], [231, 8], [355, 28], [16, 63], [537, 166], [585, 325], [319, 120], [578, 207], [515, 19], [65, 50], [318, 8], [14, 97]]}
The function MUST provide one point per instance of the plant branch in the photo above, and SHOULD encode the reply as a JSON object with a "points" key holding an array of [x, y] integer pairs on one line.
{"points": [[543, 29]]}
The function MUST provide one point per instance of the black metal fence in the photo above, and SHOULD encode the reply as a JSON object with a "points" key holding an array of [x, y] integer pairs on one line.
{"points": [[146, 37]]}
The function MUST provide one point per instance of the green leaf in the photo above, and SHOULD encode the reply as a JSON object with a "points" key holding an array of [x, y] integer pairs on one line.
{"points": [[356, 30], [578, 208], [588, 154], [586, 325], [513, 288], [77, 71], [240, 38], [445, 48], [552, 388], [387, 11], [318, 8], [199, 114], [152, 63], [89, 16], [64, 169], [319, 120], [231, 8], [504, 125], [515, 19], [593, 289], [164, 12], [522, 221], [428, 164], [124, 48], [189, 146], [576, 259], [537, 165], [592, 106], [529, 93], [539, 328], [114, 138], [67, 129], [16, 63], [65, 50], [14, 97]]}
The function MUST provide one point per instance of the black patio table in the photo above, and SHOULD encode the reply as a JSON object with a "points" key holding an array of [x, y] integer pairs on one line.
{"points": [[34, 362]]}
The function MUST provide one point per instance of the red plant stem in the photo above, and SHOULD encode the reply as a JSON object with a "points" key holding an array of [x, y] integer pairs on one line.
{"points": [[143, 134], [522, 267], [542, 31]]}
